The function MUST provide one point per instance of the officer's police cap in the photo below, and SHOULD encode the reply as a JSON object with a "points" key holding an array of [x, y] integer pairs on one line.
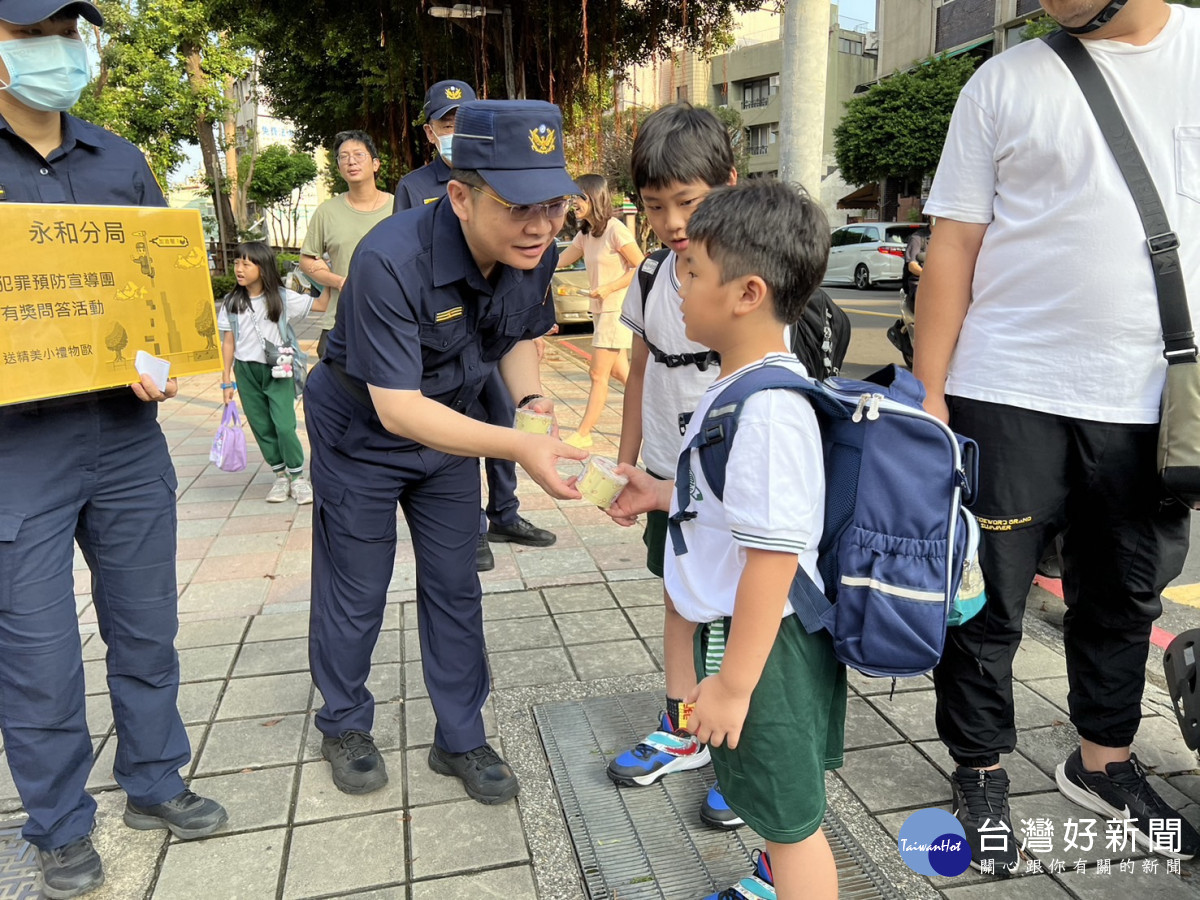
{"points": [[30, 12], [517, 146], [445, 97]]}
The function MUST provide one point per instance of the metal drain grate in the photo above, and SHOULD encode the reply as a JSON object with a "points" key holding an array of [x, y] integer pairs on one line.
{"points": [[649, 843], [18, 864]]}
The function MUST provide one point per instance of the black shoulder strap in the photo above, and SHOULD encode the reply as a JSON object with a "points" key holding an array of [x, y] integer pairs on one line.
{"points": [[647, 272], [1161, 241]]}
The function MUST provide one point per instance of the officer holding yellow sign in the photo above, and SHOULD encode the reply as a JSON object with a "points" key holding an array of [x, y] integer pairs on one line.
{"points": [[92, 468], [438, 297]]}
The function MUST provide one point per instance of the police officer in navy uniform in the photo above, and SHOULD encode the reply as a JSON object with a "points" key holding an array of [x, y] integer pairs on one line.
{"points": [[91, 468], [428, 183], [501, 521], [437, 299]]}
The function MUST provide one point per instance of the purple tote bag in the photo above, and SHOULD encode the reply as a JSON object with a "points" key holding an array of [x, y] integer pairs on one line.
{"points": [[229, 446]]}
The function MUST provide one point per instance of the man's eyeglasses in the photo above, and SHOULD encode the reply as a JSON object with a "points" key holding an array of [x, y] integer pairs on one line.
{"points": [[555, 209], [357, 156]]}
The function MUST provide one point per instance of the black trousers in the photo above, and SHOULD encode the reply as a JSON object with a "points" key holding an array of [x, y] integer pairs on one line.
{"points": [[1122, 544]]}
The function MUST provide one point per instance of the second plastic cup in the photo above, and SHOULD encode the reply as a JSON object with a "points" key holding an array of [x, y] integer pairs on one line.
{"points": [[600, 483]]}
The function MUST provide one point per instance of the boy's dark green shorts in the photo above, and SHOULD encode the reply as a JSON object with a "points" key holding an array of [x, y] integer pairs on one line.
{"points": [[793, 733], [655, 537]]}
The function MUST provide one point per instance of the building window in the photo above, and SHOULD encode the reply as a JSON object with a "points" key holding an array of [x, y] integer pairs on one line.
{"points": [[759, 138], [759, 93], [854, 48], [681, 94], [722, 94]]}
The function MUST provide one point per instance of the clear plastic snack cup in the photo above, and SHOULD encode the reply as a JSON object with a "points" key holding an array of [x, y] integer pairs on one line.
{"points": [[600, 483], [533, 422]]}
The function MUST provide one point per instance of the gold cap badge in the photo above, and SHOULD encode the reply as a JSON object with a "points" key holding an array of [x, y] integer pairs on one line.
{"points": [[542, 139], [453, 93]]}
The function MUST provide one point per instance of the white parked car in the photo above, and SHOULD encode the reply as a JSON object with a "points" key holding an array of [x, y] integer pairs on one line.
{"points": [[868, 252]]}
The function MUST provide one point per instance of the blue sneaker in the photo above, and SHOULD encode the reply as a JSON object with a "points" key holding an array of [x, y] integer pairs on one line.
{"points": [[661, 753], [759, 886], [715, 812]]}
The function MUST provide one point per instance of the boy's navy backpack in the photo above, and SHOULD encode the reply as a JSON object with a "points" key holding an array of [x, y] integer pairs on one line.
{"points": [[896, 536], [820, 339]]}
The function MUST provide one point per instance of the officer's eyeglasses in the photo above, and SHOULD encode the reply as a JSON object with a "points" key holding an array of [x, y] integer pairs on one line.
{"points": [[358, 156], [555, 209]]}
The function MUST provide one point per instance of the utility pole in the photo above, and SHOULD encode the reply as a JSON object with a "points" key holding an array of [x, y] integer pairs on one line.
{"points": [[802, 93]]}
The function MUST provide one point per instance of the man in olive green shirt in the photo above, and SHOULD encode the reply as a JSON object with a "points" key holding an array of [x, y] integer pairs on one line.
{"points": [[342, 221]]}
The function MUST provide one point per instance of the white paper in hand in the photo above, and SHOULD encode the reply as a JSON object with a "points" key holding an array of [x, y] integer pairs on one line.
{"points": [[158, 369]]}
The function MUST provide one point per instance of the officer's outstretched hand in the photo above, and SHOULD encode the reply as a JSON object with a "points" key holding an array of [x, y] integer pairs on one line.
{"points": [[148, 391], [539, 455]]}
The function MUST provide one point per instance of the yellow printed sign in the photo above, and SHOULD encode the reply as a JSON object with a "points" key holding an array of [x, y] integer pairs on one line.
{"points": [[83, 288]]}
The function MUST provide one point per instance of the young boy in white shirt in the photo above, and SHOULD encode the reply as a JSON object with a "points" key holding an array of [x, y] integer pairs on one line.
{"points": [[680, 154], [771, 698]]}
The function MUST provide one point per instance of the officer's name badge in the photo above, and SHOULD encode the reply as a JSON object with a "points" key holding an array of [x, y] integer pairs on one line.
{"points": [[447, 315]]}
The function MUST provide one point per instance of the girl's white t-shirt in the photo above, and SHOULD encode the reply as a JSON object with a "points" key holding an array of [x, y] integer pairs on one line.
{"points": [[774, 498], [1064, 317], [249, 347], [605, 264]]}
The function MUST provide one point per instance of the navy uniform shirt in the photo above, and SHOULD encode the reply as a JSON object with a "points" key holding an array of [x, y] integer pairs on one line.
{"points": [[422, 186], [417, 314], [92, 166]]}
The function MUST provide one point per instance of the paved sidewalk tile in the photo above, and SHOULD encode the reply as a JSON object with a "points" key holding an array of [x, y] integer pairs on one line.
{"points": [[233, 866], [344, 854], [484, 836], [497, 884]]}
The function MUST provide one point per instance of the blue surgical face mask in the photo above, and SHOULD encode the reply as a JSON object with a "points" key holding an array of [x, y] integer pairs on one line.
{"points": [[46, 73], [444, 143]]}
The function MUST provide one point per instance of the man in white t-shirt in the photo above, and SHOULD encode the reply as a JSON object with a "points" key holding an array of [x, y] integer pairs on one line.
{"points": [[1039, 337]]}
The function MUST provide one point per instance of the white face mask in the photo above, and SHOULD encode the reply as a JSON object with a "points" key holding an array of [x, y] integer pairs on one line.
{"points": [[444, 144], [46, 73]]}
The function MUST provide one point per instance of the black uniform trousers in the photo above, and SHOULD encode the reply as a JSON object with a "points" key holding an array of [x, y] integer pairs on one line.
{"points": [[92, 469], [359, 474], [1122, 544]]}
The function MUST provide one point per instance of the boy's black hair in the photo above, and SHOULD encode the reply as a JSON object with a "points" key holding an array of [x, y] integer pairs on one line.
{"points": [[680, 143], [766, 228], [361, 136], [259, 253]]}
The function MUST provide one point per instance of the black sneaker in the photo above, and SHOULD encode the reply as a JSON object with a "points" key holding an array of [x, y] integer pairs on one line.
{"points": [[484, 774], [357, 766], [1122, 792], [187, 815], [521, 531], [981, 805], [70, 870], [484, 560]]}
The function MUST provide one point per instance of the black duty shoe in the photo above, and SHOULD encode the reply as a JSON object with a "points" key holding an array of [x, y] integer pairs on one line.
{"points": [[1122, 792], [187, 815], [357, 766], [521, 531], [981, 805], [484, 774], [70, 870], [484, 560]]}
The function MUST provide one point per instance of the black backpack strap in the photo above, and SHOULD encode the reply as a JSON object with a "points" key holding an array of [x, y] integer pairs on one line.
{"points": [[1162, 242], [647, 272]]}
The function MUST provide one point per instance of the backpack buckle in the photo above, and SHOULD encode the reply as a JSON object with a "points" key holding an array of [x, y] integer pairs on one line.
{"points": [[1162, 243]]}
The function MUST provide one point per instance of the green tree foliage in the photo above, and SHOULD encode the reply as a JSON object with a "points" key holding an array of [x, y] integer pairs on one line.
{"points": [[897, 128], [329, 66], [279, 176], [143, 91]]}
